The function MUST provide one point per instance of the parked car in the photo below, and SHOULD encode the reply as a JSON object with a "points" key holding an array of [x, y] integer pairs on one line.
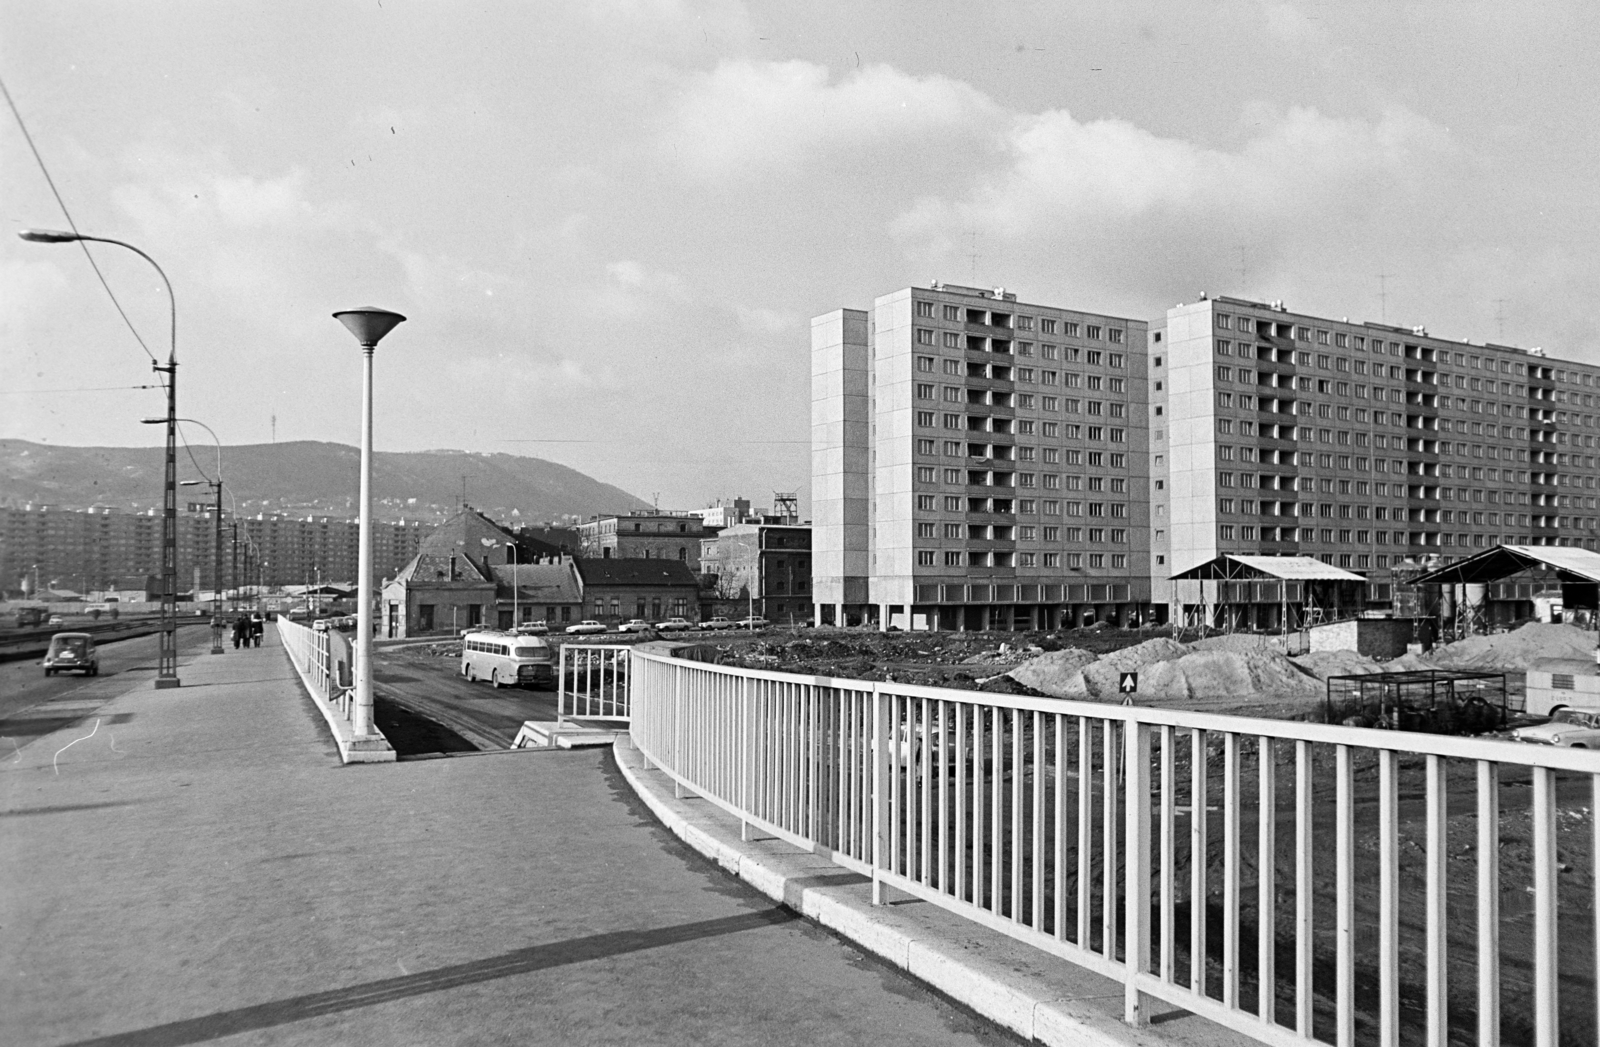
{"points": [[675, 625], [532, 629], [1570, 728], [634, 625], [754, 621], [718, 622], [71, 652], [588, 625], [56, 619]]}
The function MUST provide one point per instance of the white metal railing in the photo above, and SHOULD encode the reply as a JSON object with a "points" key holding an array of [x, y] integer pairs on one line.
{"points": [[592, 683], [325, 658], [1075, 827]]}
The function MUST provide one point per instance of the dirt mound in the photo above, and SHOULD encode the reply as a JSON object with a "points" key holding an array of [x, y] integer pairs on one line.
{"points": [[1521, 649], [1049, 672], [1406, 663], [1323, 664], [1167, 671], [1241, 642]]}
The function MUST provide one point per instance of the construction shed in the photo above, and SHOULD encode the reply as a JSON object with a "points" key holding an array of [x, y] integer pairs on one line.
{"points": [[1240, 592], [1501, 585]]}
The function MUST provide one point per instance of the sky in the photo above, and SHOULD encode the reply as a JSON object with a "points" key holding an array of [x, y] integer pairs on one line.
{"points": [[609, 222]]}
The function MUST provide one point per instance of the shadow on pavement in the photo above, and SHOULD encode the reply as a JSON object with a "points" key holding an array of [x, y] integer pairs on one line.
{"points": [[520, 961]]}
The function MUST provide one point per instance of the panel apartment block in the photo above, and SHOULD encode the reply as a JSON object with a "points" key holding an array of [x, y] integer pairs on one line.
{"points": [[1361, 444], [1009, 462], [841, 480]]}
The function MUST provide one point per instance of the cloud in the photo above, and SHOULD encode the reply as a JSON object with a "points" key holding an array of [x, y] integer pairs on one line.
{"points": [[1115, 206], [745, 116]]}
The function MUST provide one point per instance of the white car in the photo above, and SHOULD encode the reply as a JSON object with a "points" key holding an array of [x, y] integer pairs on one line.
{"points": [[634, 625], [753, 622], [1570, 728], [532, 629], [588, 625], [675, 625], [718, 622]]}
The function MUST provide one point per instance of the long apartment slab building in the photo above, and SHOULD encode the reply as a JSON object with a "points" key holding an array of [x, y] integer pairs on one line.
{"points": [[979, 462], [1360, 444]]}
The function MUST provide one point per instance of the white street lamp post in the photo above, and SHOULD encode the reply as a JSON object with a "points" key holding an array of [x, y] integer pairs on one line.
{"points": [[369, 325]]}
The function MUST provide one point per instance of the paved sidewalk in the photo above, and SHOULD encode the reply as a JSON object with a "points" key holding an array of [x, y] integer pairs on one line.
{"points": [[204, 869]]}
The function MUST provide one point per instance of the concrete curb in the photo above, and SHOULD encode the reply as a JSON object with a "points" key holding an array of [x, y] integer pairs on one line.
{"points": [[1036, 996], [372, 749]]}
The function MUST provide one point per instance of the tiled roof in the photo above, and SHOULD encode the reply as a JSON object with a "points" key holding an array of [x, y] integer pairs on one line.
{"points": [[541, 582], [635, 572]]}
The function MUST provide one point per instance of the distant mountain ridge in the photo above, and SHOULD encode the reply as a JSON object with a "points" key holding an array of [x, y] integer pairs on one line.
{"points": [[309, 477]]}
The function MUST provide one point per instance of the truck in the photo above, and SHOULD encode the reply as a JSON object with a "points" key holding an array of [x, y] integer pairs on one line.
{"points": [[32, 617]]}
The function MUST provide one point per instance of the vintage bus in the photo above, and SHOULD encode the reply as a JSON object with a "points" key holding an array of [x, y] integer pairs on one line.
{"points": [[507, 659]]}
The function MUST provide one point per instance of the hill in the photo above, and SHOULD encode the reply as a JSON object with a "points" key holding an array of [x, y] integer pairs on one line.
{"points": [[309, 477]]}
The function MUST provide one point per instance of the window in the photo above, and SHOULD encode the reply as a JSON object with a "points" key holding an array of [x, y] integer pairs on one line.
{"points": [[924, 336], [925, 363], [925, 419], [925, 309], [1092, 332], [925, 530], [925, 474], [925, 503], [1047, 325], [952, 340], [925, 557], [924, 391], [952, 559]]}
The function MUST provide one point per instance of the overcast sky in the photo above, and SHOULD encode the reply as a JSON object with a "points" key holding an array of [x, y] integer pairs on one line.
{"points": [[610, 222]]}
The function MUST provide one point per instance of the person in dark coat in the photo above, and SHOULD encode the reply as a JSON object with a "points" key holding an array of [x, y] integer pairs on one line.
{"points": [[241, 631]]}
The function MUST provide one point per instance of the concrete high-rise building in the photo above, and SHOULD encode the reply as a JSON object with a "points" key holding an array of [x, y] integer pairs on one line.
{"points": [[1363, 445], [979, 462]]}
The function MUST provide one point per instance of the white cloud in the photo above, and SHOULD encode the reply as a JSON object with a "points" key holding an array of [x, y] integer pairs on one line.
{"points": [[1115, 207], [746, 116]]}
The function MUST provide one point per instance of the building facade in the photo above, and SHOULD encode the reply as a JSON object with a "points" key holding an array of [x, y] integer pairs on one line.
{"points": [[88, 548], [979, 463], [645, 536], [768, 566], [1368, 446]]}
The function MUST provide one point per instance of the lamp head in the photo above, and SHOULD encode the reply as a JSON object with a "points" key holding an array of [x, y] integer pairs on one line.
{"points": [[190, 483], [152, 421], [369, 324], [48, 236]]}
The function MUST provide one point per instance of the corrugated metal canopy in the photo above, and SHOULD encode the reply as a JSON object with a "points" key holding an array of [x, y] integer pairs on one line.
{"points": [[1574, 565], [1232, 566]]}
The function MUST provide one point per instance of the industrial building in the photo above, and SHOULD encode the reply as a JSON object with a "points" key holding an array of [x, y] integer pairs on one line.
{"points": [[979, 463]]}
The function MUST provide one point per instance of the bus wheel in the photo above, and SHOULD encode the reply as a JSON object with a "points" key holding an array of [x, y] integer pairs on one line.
{"points": [[494, 679]]}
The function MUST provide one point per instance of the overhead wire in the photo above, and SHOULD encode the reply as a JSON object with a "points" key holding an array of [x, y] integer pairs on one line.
{"points": [[67, 214], [78, 389]]}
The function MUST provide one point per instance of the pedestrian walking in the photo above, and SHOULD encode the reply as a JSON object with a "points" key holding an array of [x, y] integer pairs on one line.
{"points": [[240, 631]]}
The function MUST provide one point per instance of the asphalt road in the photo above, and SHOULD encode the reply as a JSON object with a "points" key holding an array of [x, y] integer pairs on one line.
{"points": [[32, 704], [432, 687]]}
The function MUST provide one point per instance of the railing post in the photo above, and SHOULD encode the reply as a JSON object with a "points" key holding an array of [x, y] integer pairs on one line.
{"points": [[561, 686], [746, 764], [1136, 871], [880, 792], [677, 732]]}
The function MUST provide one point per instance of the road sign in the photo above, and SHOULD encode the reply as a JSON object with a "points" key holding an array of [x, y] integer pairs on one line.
{"points": [[1128, 683]]}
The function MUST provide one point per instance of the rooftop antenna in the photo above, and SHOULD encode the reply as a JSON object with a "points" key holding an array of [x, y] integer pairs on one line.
{"points": [[1500, 317], [1383, 296], [1241, 265], [463, 490], [655, 499], [274, 428], [974, 256]]}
